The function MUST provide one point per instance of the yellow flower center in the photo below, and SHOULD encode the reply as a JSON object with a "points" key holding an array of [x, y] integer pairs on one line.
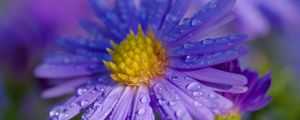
{"points": [[137, 59], [230, 116]]}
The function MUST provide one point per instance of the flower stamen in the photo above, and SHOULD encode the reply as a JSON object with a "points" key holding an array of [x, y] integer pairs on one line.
{"points": [[137, 59]]}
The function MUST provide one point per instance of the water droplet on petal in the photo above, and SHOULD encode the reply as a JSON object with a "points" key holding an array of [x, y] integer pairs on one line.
{"points": [[179, 113], [53, 113], [196, 22], [62, 116], [196, 94], [212, 96], [141, 111], [197, 104], [144, 100], [161, 102], [73, 104], [171, 103], [81, 91], [84, 103], [193, 86], [188, 45]]}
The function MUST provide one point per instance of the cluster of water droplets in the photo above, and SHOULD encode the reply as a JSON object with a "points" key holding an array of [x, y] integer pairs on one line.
{"points": [[142, 111], [188, 24], [201, 94], [84, 97]]}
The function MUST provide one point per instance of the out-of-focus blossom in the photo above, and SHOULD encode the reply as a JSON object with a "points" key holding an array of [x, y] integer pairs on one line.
{"points": [[252, 100], [64, 15], [28, 26], [165, 64], [258, 17]]}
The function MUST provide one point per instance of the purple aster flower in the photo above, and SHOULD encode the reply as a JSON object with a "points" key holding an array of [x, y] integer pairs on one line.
{"points": [[145, 57], [254, 99]]}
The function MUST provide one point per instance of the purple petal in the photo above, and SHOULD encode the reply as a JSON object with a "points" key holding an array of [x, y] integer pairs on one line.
{"points": [[200, 21], [85, 96], [103, 106], [246, 10], [64, 88], [166, 104], [177, 11], [142, 109], [201, 61], [76, 43], [232, 66], [122, 108], [208, 45], [157, 13], [258, 105], [199, 92], [109, 17], [195, 108], [128, 13], [260, 88], [217, 76], [62, 71]]}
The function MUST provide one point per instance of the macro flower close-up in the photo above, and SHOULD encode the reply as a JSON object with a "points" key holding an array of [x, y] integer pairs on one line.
{"points": [[157, 61], [149, 60]]}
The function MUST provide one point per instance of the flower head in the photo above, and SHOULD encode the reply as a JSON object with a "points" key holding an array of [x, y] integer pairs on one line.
{"points": [[145, 57], [254, 99]]}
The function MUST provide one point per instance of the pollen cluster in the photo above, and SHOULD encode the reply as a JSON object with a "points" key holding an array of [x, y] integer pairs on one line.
{"points": [[137, 59]]}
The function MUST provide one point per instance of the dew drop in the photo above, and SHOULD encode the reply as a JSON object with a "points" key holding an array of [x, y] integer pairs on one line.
{"points": [[207, 42], [53, 113], [96, 105], [141, 111], [171, 103], [196, 22], [197, 104], [196, 94], [81, 91], [144, 100], [179, 113], [212, 5], [193, 86], [73, 104], [212, 96], [62, 116], [161, 102], [84, 103]]}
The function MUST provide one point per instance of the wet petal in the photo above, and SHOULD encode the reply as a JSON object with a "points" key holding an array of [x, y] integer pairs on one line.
{"points": [[195, 108], [122, 108], [128, 13], [203, 19], [208, 45], [200, 61], [142, 109], [217, 76], [199, 92], [110, 18], [174, 16], [62, 71], [166, 104], [85, 96], [104, 105], [64, 88]]}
